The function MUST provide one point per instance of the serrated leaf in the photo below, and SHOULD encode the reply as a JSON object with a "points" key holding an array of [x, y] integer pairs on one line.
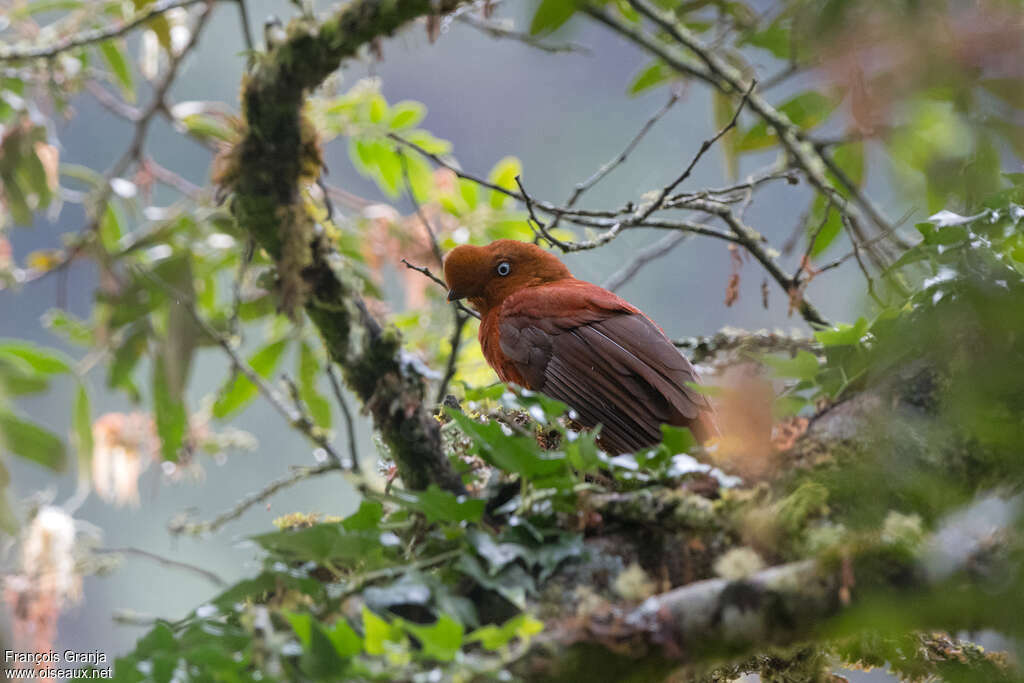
{"points": [[843, 334], [30, 441], [241, 391]]}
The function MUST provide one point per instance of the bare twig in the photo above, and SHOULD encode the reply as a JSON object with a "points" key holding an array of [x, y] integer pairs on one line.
{"points": [[729, 339], [426, 271], [94, 36], [346, 412], [704, 147], [295, 417], [297, 474], [165, 561], [434, 246], [644, 256], [497, 30], [453, 356], [624, 154]]}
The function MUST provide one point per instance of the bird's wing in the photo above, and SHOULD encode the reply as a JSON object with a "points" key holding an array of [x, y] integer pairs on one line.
{"points": [[606, 360]]}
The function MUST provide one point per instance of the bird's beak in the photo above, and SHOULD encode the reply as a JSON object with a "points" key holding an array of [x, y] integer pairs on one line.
{"points": [[455, 296]]}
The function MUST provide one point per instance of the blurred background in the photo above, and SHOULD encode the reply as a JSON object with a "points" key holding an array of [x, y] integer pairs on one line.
{"points": [[562, 115]]}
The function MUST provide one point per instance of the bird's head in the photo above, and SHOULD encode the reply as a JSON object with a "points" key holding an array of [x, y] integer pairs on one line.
{"points": [[487, 275]]}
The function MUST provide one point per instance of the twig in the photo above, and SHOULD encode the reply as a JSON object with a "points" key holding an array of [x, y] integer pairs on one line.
{"points": [[803, 265], [298, 474], [94, 36], [426, 271], [644, 256], [729, 339], [864, 271], [704, 147], [496, 30], [346, 412], [456, 340], [624, 154], [729, 80], [296, 418], [302, 410], [165, 561], [434, 246], [243, 17]]}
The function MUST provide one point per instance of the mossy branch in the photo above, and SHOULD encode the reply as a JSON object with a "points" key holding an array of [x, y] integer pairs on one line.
{"points": [[279, 153]]}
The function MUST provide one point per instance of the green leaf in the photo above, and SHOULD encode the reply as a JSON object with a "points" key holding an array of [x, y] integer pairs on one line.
{"points": [[775, 38], [39, 359], [510, 453], [81, 432], [805, 110], [113, 53], [406, 114], [522, 626], [512, 583], [169, 412], [803, 366], [440, 640], [824, 229], [321, 543], [319, 406], [504, 175], [652, 75], [677, 439], [32, 442], [843, 334], [17, 378], [367, 517], [302, 624], [241, 391], [551, 14], [346, 641], [377, 632], [442, 506]]}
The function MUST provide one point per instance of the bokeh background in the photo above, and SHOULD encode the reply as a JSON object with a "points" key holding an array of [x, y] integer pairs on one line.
{"points": [[562, 115]]}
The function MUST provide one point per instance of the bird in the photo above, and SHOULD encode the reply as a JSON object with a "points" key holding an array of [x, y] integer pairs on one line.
{"points": [[574, 341]]}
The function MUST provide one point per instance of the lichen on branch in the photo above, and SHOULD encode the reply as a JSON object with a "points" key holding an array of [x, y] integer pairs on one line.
{"points": [[276, 156]]}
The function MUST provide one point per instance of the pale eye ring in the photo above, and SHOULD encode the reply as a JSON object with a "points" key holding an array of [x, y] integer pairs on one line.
{"points": [[504, 268]]}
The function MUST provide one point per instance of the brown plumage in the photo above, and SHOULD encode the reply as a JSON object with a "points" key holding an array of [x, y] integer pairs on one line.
{"points": [[545, 330]]}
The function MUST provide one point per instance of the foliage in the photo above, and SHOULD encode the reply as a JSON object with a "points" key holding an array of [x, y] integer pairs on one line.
{"points": [[909, 415]]}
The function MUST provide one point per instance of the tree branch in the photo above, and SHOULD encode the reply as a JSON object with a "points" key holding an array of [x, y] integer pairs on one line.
{"points": [[95, 36], [279, 154]]}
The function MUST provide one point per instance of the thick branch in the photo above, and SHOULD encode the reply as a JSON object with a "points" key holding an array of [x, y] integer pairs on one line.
{"points": [[278, 154]]}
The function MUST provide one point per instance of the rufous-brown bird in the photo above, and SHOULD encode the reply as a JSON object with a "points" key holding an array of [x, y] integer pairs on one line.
{"points": [[574, 341]]}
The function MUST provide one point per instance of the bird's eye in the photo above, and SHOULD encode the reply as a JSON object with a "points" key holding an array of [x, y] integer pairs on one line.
{"points": [[504, 268]]}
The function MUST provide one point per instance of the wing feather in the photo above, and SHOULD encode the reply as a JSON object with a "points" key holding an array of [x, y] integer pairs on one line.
{"points": [[610, 364]]}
